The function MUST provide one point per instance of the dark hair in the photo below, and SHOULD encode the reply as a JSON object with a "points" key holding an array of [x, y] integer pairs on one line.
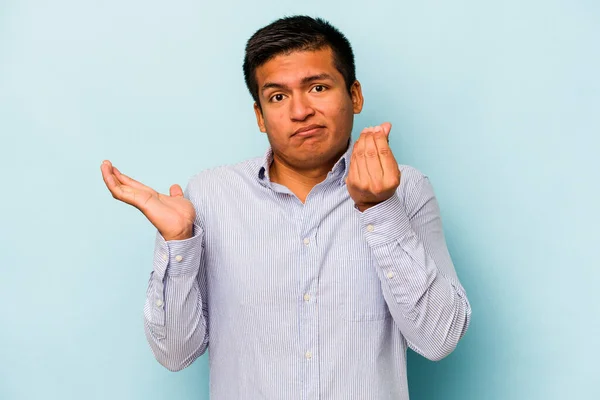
{"points": [[297, 33]]}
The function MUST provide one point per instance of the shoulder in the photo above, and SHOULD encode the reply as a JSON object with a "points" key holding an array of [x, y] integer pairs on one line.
{"points": [[411, 178], [225, 175], [415, 188], [216, 187], [411, 173]]}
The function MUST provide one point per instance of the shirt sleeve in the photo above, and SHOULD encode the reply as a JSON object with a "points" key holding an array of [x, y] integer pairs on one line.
{"points": [[419, 281], [175, 311]]}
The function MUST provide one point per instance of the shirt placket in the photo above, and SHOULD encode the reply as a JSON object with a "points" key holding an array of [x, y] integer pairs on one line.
{"points": [[308, 269]]}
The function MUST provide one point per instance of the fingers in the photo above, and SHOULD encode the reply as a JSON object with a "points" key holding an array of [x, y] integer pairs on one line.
{"points": [[361, 161], [130, 191], [373, 165], [366, 154], [124, 179], [391, 172], [387, 127], [371, 155], [386, 157], [114, 185], [108, 176], [115, 182], [354, 174]]}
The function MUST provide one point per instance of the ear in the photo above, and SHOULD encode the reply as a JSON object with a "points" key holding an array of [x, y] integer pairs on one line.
{"points": [[357, 97], [259, 118]]}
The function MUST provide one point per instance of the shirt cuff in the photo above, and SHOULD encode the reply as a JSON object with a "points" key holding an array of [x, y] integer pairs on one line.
{"points": [[385, 222], [178, 257]]}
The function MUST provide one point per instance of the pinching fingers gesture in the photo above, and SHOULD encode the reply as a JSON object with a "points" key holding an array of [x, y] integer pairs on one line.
{"points": [[374, 175]]}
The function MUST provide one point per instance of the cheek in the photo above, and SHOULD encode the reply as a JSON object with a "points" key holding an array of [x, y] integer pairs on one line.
{"points": [[346, 108], [269, 119], [342, 114], [338, 109], [275, 119], [276, 128]]}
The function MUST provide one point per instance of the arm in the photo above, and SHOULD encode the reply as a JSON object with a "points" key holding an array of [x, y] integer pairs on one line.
{"points": [[419, 282], [175, 311]]}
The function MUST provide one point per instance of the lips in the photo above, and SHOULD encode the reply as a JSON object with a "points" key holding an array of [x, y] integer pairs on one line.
{"points": [[307, 130]]}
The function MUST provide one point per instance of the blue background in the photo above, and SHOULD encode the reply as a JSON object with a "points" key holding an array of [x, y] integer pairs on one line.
{"points": [[498, 102]]}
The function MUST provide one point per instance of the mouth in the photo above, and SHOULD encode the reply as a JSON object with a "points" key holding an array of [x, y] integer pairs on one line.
{"points": [[308, 130]]}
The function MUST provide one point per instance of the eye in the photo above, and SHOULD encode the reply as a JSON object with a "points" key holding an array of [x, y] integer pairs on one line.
{"points": [[276, 98], [319, 88]]}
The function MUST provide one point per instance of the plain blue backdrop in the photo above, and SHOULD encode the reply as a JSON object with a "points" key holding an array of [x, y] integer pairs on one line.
{"points": [[497, 102]]}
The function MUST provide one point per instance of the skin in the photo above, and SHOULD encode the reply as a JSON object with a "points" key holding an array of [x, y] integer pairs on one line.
{"points": [[374, 174], [303, 88], [173, 215], [296, 90]]}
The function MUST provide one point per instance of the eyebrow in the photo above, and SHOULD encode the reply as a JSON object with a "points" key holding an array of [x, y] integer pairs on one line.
{"points": [[304, 81]]}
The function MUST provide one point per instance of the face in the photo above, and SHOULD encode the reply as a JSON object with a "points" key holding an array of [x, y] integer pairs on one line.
{"points": [[307, 112]]}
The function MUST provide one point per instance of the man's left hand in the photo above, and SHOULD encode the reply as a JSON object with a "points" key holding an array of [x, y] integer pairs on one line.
{"points": [[374, 175]]}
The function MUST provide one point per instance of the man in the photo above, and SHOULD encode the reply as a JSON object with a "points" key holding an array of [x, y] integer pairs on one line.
{"points": [[306, 273]]}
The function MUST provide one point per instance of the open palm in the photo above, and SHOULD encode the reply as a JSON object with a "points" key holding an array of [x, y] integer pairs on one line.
{"points": [[173, 215]]}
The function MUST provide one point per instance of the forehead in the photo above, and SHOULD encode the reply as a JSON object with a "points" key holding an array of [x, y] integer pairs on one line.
{"points": [[290, 68]]}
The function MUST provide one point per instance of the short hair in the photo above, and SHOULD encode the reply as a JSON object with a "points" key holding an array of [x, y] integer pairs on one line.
{"points": [[297, 33]]}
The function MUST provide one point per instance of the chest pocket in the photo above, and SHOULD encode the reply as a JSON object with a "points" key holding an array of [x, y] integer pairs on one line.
{"points": [[361, 297]]}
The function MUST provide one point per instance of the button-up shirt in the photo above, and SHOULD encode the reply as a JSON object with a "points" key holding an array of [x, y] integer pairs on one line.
{"points": [[312, 300]]}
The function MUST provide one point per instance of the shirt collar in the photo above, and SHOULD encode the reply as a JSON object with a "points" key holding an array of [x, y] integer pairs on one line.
{"points": [[339, 172]]}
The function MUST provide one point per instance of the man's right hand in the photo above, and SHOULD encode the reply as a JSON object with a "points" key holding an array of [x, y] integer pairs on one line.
{"points": [[172, 215]]}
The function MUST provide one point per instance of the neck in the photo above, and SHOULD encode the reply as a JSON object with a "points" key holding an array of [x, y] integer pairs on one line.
{"points": [[299, 181]]}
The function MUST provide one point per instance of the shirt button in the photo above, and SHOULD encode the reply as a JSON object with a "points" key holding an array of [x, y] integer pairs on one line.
{"points": [[306, 241], [179, 258], [307, 297], [159, 303], [370, 228], [164, 257], [308, 355], [390, 275]]}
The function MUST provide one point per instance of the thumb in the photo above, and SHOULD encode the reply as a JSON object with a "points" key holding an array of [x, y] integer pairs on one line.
{"points": [[387, 127], [175, 191]]}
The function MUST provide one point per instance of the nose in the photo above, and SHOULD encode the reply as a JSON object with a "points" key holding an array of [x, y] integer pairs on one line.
{"points": [[300, 108]]}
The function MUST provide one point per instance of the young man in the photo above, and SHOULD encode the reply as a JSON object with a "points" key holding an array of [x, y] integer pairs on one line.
{"points": [[306, 273]]}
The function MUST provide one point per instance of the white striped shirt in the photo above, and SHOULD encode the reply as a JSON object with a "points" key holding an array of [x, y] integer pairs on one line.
{"points": [[304, 301]]}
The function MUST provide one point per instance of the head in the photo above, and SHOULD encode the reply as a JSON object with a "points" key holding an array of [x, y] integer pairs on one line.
{"points": [[300, 72]]}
